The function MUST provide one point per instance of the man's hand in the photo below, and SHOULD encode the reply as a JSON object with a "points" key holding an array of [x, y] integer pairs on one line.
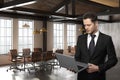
{"points": [[92, 68]]}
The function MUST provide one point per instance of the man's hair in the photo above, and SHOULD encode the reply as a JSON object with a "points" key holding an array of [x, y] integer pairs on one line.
{"points": [[90, 15]]}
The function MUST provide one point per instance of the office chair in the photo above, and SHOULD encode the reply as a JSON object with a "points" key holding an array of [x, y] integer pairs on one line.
{"points": [[35, 57], [49, 55], [69, 49], [26, 56], [50, 59], [15, 59], [26, 53], [47, 60], [37, 49], [59, 51]]}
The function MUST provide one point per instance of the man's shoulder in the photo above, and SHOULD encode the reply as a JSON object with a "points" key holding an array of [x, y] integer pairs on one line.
{"points": [[83, 36], [104, 35]]}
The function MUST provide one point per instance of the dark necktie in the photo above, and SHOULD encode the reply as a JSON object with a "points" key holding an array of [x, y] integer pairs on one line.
{"points": [[92, 45]]}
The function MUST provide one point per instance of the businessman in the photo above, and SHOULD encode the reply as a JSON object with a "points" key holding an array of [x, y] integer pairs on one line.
{"points": [[93, 48]]}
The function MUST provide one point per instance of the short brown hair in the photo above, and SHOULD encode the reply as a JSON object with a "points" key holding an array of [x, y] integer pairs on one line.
{"points": [[90, 15]]}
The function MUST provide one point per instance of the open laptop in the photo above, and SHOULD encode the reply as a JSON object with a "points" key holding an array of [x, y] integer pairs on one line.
{"points": [[70, 63]]}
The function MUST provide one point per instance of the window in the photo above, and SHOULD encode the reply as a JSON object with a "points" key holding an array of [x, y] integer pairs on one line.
{"points": [[25, 36], [58, 32], [71, 34], [5, 35]]}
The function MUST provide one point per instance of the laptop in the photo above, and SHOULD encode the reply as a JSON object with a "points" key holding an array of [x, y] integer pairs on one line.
{"points": [[70, 63]]}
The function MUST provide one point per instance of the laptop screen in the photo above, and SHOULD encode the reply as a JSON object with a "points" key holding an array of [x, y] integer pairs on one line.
{"points": [[70, 63]]}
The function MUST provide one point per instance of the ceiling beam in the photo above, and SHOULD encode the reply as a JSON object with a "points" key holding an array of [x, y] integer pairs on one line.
{"points": [[43, 13], [69, 21], [15, 3], [18, 15], [62, 4]]}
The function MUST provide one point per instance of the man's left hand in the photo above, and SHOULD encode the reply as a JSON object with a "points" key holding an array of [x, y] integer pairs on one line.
{"points": [[92, 68]]}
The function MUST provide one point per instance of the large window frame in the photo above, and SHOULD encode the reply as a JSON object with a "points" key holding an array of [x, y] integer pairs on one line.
{"points": [[25, 34], [6, 35], [58, 35], [71, 34]]}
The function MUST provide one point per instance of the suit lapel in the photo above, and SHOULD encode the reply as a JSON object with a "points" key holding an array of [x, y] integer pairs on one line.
{"points": [[86, 48]]}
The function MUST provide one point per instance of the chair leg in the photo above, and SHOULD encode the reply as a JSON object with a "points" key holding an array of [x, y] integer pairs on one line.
{"points": [[14, 67]]}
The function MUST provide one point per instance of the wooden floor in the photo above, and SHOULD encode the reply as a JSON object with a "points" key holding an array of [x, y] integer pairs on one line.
{"points": [[55, 74]]}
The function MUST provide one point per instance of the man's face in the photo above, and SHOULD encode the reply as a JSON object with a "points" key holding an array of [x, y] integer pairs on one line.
{"points": [[90, 27]]}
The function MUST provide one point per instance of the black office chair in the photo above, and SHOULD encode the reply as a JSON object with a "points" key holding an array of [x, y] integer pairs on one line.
{"points": [[37, 49], [59, 51], [15, 59], [35, 58], [26, 54], [26, 57], [50, 59]]}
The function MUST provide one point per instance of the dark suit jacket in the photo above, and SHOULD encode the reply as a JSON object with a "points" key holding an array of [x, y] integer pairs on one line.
{"points": [[104, 48]]}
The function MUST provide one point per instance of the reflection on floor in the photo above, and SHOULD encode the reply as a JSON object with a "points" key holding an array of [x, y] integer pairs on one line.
{"points": [[55, 74]]}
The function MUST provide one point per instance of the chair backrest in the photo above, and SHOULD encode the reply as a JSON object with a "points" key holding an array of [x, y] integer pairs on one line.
{"points": [[13, 53], [37, 49], [36, 57], [49, 55], [59, 51], [26, 51]]}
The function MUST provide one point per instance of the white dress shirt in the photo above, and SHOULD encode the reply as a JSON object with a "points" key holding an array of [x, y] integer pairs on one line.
{"points": [[95, 39]]}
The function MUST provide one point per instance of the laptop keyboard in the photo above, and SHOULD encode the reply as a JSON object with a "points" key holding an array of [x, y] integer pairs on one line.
{"points": [[80, 64]]}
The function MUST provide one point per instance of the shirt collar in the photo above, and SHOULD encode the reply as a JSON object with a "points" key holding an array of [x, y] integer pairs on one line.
{"points": [[96, 34]]}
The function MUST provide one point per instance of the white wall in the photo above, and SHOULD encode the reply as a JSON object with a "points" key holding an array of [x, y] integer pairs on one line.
{"points": [[112, 29]]}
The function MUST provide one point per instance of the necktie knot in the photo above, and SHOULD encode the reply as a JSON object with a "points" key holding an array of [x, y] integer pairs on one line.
{"points": [[92, 36]]}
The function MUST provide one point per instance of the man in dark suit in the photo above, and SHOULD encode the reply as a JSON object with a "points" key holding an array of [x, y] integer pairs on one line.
{"points": [[93, 48]]}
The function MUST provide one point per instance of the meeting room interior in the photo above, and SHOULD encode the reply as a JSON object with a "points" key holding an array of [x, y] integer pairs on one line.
{"points": [[32, 31]]}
